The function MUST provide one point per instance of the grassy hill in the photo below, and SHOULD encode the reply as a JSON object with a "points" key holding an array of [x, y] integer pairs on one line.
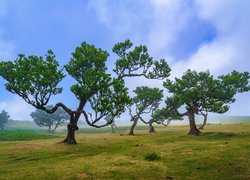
{"points": [[22, 125], [222, 152]]}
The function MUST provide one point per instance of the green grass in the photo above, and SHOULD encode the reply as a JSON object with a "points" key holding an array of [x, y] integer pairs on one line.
{"points": [[221, 152], [17, 135], [152, 156]]}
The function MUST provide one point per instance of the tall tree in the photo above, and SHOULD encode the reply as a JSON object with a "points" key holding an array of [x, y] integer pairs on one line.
{"points": [[52, 121], [36, 79], [4, 117], [201, 92], [146, 101]]}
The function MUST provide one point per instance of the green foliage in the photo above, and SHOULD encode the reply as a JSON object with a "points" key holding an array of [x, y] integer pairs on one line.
{"points": [[4, 117], [42, 118], [147, 98], [33, 78], [87, 66], [239, 81], [152, 156], [138, 62], [111, 101]]}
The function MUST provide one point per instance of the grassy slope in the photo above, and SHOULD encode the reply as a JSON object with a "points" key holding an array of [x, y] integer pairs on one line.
{"points": [[222, 153]]}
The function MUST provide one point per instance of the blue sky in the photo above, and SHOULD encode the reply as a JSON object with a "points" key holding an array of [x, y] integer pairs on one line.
{"points": [[195, 34]]}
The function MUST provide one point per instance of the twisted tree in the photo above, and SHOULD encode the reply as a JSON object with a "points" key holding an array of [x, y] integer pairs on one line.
{"points": [[35, 79], [52, 121], [229, 85], [146, 101], [201, 92]]}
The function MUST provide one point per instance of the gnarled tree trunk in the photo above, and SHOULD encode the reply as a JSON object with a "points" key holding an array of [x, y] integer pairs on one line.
{"points": [[72, 127], [193, 129], [204, 121], [131, 132], [151, 127]]}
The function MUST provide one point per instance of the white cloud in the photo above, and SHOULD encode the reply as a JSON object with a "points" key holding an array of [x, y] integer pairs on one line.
{"points": [[17, 108], [231, 47], [169, 19]]}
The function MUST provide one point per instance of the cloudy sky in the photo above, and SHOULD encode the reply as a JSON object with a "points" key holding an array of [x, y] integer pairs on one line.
{"points": [[195, 34]]}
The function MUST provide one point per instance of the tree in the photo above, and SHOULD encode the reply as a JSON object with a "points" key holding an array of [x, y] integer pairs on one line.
{"points": [[4, 117], [201, 92], [112, 125], [36, 79], [230, 85], [146, 101], [52, 121]]}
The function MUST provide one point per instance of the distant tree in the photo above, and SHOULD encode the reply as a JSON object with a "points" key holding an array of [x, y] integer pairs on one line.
{"points": [[52, 121], [112, 125], [4, 117], [146, 101], [201, 92], [36, 80]]}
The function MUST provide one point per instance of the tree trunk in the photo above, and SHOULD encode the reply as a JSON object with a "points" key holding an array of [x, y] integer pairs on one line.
{"points": [[113, 129], [53, 130], [204, 121], [49, 129], [193, 129], [72, 127], [151, 127], [131, 132]]}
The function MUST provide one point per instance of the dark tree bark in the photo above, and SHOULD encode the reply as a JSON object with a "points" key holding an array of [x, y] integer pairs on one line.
{"points": [[151, 127], [193, 128], [204, 121], [72, 127], [131, 132]]}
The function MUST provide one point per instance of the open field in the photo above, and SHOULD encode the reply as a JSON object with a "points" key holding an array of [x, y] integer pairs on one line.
{"points": [[222, 152]]}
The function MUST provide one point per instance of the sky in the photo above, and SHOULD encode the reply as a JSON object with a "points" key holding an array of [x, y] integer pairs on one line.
{"points": [[190, 34]]}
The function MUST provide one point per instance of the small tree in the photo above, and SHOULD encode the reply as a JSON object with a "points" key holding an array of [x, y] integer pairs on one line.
{"points": [[146, 101], [4, 117], [229, 85], [201, 92], [52, 121], [36, 79]]}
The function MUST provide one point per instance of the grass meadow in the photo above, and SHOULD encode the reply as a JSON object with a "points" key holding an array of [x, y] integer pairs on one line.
{"points": [[221, 152]]}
